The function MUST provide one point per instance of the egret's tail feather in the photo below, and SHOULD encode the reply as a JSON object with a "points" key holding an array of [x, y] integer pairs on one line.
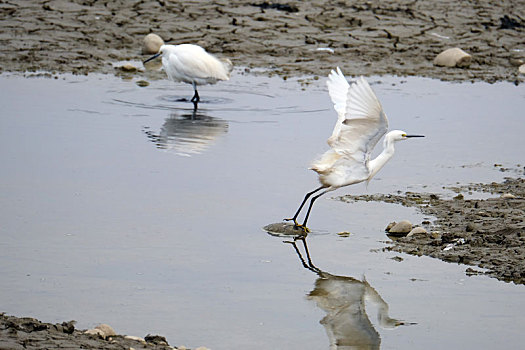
{"points": [[228, 65]]}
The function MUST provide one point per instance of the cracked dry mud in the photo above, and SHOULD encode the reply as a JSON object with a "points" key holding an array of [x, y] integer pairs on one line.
{"points": [[362, 37]]}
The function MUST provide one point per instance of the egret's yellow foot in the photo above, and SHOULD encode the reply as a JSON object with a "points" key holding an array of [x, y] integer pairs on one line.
{"points": [[304, 228], [294, 221]]}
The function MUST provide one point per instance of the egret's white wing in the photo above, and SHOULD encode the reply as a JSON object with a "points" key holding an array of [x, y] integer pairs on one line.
{"points": [[363, 125], [338, 91]]}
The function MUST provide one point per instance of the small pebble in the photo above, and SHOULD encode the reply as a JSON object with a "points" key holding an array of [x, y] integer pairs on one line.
{"points": [[454, 57], [435, 234], [508, 196], [471, 227], [344, 234], [521, 69], [128, 68], [459, 197]]}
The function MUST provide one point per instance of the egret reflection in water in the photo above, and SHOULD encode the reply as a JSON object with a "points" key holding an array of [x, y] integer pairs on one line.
{"points": [[188, 134], [343, 299]]}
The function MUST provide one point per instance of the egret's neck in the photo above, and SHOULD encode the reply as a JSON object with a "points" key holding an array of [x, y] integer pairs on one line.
{"points": [[376, 164]]}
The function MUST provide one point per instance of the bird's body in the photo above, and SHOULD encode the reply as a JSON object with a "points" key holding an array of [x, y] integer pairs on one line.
{"points": [[361, 122], [191, 64]]}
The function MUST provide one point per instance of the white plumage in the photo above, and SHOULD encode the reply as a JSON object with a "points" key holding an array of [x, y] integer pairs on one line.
{"points": [[361, 122], [191, 64]]}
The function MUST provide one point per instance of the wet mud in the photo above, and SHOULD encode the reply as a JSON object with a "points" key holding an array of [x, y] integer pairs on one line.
{"points": [[485, 233], [29, 333], [286, 38]]}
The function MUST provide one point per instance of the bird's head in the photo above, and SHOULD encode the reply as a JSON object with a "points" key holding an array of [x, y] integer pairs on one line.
{"points": [[162, 50], [398, 135]]}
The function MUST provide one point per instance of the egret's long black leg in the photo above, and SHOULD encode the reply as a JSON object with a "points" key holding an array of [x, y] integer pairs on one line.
{"points": [[195, 98], [194, 112], [310, 208], [294, 218], [310, 265], [298, 253]]}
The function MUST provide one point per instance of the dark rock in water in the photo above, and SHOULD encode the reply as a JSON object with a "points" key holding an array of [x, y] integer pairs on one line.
{"points": [[283, 229]]}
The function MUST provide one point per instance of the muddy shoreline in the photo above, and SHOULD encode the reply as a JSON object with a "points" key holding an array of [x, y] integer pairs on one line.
{"points": [[17, 333], [293, 39], [485, 233]]}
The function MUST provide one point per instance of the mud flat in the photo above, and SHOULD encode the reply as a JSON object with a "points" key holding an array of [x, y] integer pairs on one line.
{"points": [[29, 333], [286, 38], [487, 233]]}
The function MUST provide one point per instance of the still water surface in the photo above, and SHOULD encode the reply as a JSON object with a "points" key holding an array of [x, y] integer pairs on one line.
{"points": [[121, 206]]}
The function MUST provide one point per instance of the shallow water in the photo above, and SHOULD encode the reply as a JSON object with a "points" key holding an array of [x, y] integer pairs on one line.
{"points": [[121, 206]]}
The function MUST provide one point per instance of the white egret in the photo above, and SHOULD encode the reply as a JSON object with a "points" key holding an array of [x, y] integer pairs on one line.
{"points": [[360, 124], [191, 64]]}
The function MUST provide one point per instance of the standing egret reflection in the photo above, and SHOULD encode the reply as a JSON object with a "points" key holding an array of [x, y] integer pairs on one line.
{"points": [[360, 124], [191, 64]]}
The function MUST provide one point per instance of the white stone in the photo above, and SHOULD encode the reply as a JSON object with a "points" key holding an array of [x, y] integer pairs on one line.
{"points": [[106, 330], [417, 231], [403, 226], [508, 196], [132, 337], [98, 332], [151, 44], [521, 69], [454, 57]]}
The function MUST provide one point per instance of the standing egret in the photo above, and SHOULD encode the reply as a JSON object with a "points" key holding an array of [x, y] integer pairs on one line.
{"points": [[191, 64], [360, 124]]}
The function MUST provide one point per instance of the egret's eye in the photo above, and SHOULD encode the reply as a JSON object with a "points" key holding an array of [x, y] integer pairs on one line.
{"points": [[404, 135]]}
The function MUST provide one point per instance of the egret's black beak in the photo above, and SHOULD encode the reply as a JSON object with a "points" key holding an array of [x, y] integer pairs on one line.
{"points": [[152, 57], [414, 136]]}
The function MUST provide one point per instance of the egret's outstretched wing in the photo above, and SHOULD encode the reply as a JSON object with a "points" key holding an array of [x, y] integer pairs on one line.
{"points": [[338, 91], [364, 121]]}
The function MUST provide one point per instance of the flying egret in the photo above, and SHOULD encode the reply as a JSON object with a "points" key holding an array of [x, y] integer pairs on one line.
{"points": [[360, 124], [191, 64]]}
